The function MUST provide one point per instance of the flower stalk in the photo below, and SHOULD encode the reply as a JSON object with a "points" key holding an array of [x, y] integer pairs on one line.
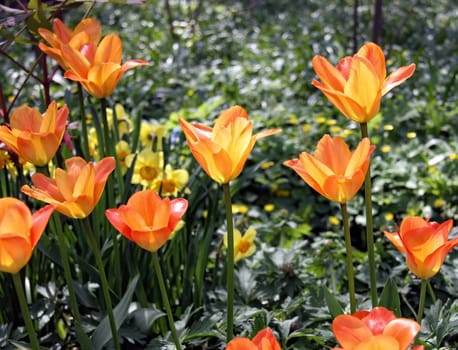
{"points": [[103, 281], [25, 311], [369, 226], [349, 255], [421, 305], [165, 300], [230, 262]]}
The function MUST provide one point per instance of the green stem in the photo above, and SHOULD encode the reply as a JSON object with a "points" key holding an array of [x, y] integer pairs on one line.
{"points": [[103, 280], [230, 262], [369, 227], [165, 300], [68, 276], [431, 292], [85, 140], [348, 248], [421, 306], [25, 311], [106, 128]]}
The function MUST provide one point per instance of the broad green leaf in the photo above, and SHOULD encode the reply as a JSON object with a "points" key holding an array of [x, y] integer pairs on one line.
{"points": [[390, 297], [102, 334], [335, 309]]}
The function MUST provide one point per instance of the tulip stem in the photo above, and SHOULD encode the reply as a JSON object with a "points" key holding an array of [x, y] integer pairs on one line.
{"points": [[25, 311], [369, 226], [349, 254], [165, 300], [421, 306], [103, 281], [80, 335], [85, 140], [230, 262]]}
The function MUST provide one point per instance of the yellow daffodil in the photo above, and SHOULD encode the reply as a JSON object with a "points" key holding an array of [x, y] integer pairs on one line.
{"points": [[243, 245], [122, 152], [148, 167]]}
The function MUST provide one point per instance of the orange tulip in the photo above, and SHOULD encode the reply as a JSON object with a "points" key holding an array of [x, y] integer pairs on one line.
{"points": [[147, 219], [98, 68], [223, 150], [264, 340], [374, 330], [20, 232], [74, 192], [34, 137], [85, 35], [424, 243], [334, 171], [358, 83]]}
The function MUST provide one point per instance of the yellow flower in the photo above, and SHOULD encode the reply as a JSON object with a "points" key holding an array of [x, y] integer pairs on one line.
{"points": [[331, 122], [388, 127], [243, 245], [171, 182], [389, 216], [335, 129], [306, 127], [333, 220], [122, 152], [266, 165], [239, 209], [269, 207], [439, 203], [150, 133], [321, 120], [386, 149], [411, 135], [123, 119], [453, 156], [148, 167], [93, 144]]}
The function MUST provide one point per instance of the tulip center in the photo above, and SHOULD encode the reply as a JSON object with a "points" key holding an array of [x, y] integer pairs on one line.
{"points": [[148, 173], [168, 186], [244, 245]]}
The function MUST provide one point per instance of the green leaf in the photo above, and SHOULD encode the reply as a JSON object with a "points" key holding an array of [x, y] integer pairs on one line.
{"points": [[102, 334], [390, 297], [335, 309]]}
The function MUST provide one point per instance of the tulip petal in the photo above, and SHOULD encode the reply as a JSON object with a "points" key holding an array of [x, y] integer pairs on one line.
{"points": [[240, 343], [378, 318], [398, 77], [330, 77], [333, 152], [15, 252], [350, 331], [374, 54], [403, 330], [39, 221], [379, 342]]}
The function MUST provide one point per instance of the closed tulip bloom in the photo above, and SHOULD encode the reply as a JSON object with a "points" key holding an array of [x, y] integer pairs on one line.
{"points": [[424, 243], [264, 340], [356, 85], [374, 330], [333, 170], [223, 150], [20, 231], [98, 68], [35, 137], [147, 219], [85, 35], [76, 191]]}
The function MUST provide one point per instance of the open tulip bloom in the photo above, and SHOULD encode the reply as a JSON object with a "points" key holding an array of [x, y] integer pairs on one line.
{"points": [[424, 243], [86, 34], [35, 137], [263, 340], [333, 170], [98, 68], [223, 150], [147, 219], [20, 231], [374, 330], [74, 192], [356, 85]]}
